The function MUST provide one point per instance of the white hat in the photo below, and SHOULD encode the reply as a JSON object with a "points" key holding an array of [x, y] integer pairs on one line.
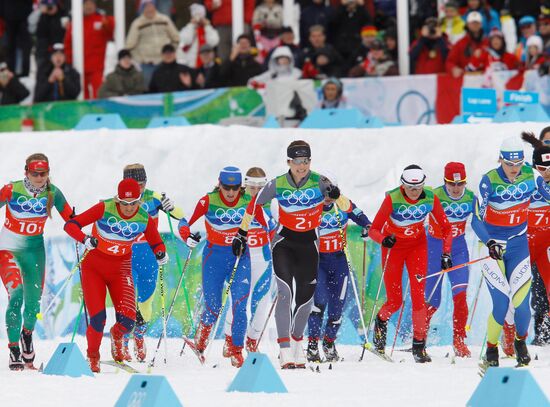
{"points": [[535, 41], [413, 175], [197, 10], [512, 149], [474, 17]]}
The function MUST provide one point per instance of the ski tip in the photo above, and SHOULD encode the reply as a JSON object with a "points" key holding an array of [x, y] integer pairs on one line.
{"points": [[329, 366], [447, 355], [318, 370]]}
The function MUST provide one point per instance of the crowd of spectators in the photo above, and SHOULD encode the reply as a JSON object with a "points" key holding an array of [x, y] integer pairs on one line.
{"points": [[173, 48]]}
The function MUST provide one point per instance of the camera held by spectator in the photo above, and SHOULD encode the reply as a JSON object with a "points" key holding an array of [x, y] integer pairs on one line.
{"points": [[11, 89]]}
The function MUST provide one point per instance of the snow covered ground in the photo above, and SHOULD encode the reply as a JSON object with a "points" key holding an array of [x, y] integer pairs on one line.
{"points": [[372, 382]]}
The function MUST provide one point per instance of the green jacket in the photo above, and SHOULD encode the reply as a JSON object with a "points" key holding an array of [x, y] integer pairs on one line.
{"points": [[122, 82]]}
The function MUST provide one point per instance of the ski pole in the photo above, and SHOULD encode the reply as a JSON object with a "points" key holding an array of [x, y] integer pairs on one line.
{"points": [[81, 289], [185, 295], [398, 326], [163, 310], [265, 323], [374, 304], [171, 308], [40, 315], [420, 277], [197, 313], [78, 319], [351, 275], [473, 308], [363, 282]]}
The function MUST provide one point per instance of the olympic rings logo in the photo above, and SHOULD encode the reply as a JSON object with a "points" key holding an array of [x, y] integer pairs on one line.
{"points": [[229, 215], [329, 220], [298, 196], [537, 196], [455, 209], [145, 206], [412, 212], [122, 227], [34, 204], [511, 191]]}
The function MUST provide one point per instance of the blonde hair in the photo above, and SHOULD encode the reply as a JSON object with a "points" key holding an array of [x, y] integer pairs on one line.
{"points": [[255, 172], [42, 157]]}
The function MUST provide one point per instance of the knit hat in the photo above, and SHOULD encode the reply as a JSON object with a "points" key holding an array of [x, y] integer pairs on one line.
{"points": [[455, 172], [230, 176], [168, 48], [474, 17], [369, 30], [535, 41], [413, 175], [512, 149], [526, 20], [298, 151], [197, 10], [58, 47], [541, 156], [138, 174], [128, 190], [452, 4], [495, 32], [143, 3], [123, 53]]}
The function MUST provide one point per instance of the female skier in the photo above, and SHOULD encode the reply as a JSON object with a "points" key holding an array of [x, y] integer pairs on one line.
{"points": [[300, 193], [458, 203], [223, 209], [29, 204], [399, 228], [117, 223]]}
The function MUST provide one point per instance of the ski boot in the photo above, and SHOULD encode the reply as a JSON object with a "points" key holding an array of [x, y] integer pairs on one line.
{"points": [[379, 337], [93, 360], [419, 351], [460, 348], [227, 345], [491, 355], [16, 363], [522, 353], [508, 336], [329, 349], [286, 358], [27, 348], [312, 353], [235, 353], [201, 337], [125, 351], [298, 352], [117, 345], [140, 349], [251, 345]]}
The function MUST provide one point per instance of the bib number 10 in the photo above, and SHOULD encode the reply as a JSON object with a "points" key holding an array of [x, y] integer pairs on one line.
{"points": [[29, 228]]}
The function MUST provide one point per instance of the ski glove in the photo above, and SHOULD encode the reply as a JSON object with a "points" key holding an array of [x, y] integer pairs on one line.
{"points": [[365, 233], [389, 241], [446, 262], [162, 258], [239, 243], [167, 204], [193, 240], [496, 250], [333, 192], [90, 242]]}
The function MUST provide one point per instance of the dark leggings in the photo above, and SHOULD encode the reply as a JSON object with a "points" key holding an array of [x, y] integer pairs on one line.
{"points": [[295, 264]]}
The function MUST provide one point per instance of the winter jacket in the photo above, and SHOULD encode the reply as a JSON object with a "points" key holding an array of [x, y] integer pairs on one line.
{"points": [[454, 29], [212, 75], [428, 55], [510, 33], [315, 14], [49, 31], [13, 93], [122, 82], [68, 89], [192, 37], [463, 50], [222, 15], [494, 61], [166, 78], [239, 71], [297, 54], [345, 30], [275, 72], [490, 18], [147, 37], [98, 31]]}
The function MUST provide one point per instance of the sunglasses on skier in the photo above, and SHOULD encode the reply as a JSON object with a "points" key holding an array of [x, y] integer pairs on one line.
{"points": [[39, 174], [510, 163], [301, 160], [543, 168], [230, 187], [129, 203], [455, 184]]}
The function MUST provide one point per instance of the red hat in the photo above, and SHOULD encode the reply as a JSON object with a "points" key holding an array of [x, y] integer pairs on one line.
{"points": [[128, 190], [455, 172]]}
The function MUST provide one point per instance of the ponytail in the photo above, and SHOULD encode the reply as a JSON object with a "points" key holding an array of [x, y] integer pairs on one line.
{"points": [[530, 138]]}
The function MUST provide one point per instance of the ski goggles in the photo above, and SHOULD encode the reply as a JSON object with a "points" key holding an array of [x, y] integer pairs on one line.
{"points": [[230, 187], [455, 183], [510, 163], [546, 142], [543, 168], [300, 160], [255, 181], [131, 202], [415, 187]]}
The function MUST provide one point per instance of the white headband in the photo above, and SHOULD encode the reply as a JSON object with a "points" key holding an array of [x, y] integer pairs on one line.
{"points": [[256, 181]]}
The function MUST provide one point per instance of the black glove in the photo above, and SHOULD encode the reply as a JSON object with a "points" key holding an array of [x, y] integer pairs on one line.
{"points": [[365, 233], [446, 262], [193, 239], [496, 250], [239, 243], [389, 241], [90, 242], [162, 258], [333, 192]]}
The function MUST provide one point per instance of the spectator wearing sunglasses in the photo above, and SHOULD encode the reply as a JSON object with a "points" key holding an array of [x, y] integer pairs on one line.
{"points": [[107, 264], [300, 194], [458, 203], [223, 210], [501, 223], [538, 234], [399, 228]]}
